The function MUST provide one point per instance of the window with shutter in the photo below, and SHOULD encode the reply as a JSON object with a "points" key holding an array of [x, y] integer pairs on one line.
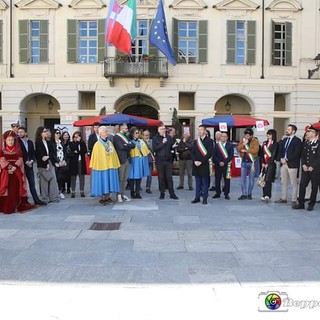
{"points": [[241, 42], [189, 40], [23, 41], [281, 43]]}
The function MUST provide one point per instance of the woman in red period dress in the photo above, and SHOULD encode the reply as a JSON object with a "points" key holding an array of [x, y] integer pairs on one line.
{"points": [[13, 188]]}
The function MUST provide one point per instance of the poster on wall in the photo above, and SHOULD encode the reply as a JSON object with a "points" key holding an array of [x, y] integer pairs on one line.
{"points": [[64, 127], [237, 162], [260, 125]]}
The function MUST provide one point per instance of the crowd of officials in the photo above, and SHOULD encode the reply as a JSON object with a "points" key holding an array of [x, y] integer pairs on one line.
{"points": [[121, 159]]}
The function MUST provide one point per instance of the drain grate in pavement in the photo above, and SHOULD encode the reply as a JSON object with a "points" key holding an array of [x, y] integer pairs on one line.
{"points": [[105, 226]]}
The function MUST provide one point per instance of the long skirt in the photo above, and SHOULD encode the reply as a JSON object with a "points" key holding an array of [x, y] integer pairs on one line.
{"points": [[104, 182], [14, 202], [139, 168]]}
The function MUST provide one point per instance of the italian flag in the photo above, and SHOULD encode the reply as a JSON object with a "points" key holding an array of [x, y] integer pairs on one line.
{"points": [[125, 27]]}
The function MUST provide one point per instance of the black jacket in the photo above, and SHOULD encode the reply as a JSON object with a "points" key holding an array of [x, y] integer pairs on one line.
{"points": [[272, 166], [122, 148], [293, 152], [162, 150], [91, 141], [203, 170], [218, 157], [73, 156], [30, 154], [184, 150], [41, 151], [311, 155]]}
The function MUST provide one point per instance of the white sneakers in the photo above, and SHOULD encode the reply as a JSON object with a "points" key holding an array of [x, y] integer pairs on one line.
{"points": [[125, 198], [62, 196], [265, 199]]}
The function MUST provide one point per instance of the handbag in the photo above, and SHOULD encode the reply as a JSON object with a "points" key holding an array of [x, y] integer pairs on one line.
{"points": [[261, 179], [48, 176]]}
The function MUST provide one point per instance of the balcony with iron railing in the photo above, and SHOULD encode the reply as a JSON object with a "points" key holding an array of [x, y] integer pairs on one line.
{"points": [[133, 66]]}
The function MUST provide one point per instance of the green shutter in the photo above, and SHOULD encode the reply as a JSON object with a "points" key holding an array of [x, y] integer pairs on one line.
{"points": [[288, 39], [120, 65], [153, 50], [203, 41], [153, 65], [24, 41], [101, 40], [251, 42], [273, 29], [175, 39], [1, 41], [72, 41], [231, 41], [44, 41]]}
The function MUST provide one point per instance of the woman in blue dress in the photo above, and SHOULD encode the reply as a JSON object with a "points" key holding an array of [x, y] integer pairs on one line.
{"points": [[139, 164]]}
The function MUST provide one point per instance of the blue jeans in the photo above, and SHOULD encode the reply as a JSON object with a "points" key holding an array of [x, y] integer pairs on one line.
{"points": [[202, 187], [246, 171]]}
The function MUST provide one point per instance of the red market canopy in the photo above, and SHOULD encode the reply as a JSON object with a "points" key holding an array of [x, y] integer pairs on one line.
{"points": [[233, 121], [118, 118]]}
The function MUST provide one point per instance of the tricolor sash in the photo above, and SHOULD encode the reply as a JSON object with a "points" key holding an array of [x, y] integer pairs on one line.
{"points": [[123, 137], [203, 150], [267, 152], [225, 155], [247, 146]]}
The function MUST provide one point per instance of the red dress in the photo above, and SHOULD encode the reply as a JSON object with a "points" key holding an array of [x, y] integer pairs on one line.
{"points": [[13, 187]]}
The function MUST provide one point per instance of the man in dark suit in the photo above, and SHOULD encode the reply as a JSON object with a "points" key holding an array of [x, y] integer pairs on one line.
{"points": [[93, 137], [290, 153], [123, 146], [222, 159], [162, 145], [310, 162], [201, 152], [27, 148]]}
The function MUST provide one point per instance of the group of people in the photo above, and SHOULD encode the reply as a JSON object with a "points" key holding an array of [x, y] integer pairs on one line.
{"points": [[299, 162], [59, 161], [120, 160]]}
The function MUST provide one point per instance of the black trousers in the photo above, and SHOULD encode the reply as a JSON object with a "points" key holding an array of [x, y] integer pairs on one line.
{"points": [[135, 185], [267, 189], [32, 186], [165, 175], [219, 173], [306, 177]]}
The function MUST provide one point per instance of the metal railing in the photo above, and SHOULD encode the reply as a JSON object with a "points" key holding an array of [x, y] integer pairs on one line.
{"points": [[131, 66]]}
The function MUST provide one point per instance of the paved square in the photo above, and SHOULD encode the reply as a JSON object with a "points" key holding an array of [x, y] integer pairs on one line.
{"points": [[196, 252], [163, 241]]}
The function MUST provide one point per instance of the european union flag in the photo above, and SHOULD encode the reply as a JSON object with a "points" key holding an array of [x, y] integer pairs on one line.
{"points": [[159, 34]]}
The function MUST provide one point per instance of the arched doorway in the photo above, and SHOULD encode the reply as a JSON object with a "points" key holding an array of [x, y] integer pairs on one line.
{"points": [[40, 109], [138, 104], [234, 104]]}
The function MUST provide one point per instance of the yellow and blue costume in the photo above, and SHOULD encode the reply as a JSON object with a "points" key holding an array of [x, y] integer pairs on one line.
{"points": [[104, 164], [139, 164]]}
